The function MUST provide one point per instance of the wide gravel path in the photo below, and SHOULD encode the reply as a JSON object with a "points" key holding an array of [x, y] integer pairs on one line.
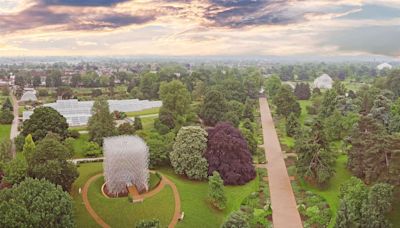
{"points": [[284, 207]]}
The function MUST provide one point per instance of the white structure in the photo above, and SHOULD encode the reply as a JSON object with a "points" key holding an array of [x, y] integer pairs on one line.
{"points": [[78, 113], [383, 66], [29, 96], [126, 162], [323, 82]]}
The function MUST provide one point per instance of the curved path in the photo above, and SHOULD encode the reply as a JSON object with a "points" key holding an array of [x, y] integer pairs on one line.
{"points": [[283, 202], [164, 181]]}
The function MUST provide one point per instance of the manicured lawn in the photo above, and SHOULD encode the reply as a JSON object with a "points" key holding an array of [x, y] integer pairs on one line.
{"points": [[119, 212], [331, 192], [82, 217], [79, 145], [198, 211], [144, 112], [148, 122], [79, 128], [5, 131], [304, 114]]}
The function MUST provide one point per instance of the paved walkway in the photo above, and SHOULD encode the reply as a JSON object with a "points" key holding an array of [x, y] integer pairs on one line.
{"points": [[283, 202], [164, 181], [14, 125]]}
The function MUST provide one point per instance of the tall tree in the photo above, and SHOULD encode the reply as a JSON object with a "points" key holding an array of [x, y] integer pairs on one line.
{"points": [[187, 155], [213, 108], [292, 125], [286, 102], [49, 161], [216, 192], [44, 120], [315, 159], [175, 97], [272, 85], [329, 103], [374, 155], [101, 124], [228, 153], [15, 171], [36, 203], [302, 91]]}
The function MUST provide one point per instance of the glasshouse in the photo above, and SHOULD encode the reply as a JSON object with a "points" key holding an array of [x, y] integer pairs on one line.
{"points": [[78, 113]]}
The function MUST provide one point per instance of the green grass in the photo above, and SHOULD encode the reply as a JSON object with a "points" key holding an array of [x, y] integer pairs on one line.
{"points": [[144, 112], [5, 130], [331, 192], [148, 123], [153, 181], [82, 217], [198, 211], [79, 145], [304, 114], [119, 212], [79, 128]]}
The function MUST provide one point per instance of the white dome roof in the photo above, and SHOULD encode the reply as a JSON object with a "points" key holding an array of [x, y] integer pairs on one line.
{"points": [[29, 96], [383, 66], [323, 82]]}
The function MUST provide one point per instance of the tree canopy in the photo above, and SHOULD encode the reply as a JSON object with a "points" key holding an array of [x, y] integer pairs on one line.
{"points": [[213, 108], [36, 203], [228, 154], [101, 124], [187, 154], [44, 120]]}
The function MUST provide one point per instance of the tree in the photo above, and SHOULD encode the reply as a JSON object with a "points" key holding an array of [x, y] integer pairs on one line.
{"points": [[7, 105], [149, 85], [393, 82], [216, 192], [236, 107], [153, 223], [29, 148], [339, 88], [248, 110], [6, 117], [36, 81], [36, 203], [187, 154], [302, 91], [5, 151], [101, 124], [232, 118], [44, 120], [373, 155], [286, 102], [377, 205], [228, 153], [361, 206], [126, 129], [251, 140], [138, 123], [213, 108], [175, 97], [292, 125], [272, 85], [381, 110], [315, 160], [159, 148], [329, 103], [49, 161], [15, 171], [92, 149], [237, 219]]}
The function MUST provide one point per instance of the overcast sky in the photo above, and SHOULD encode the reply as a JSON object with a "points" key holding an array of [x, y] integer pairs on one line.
{"points": [[200, 27]]}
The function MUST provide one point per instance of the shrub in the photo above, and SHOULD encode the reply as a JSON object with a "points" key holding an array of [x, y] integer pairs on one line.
{"points": [[92, 149], [153, 223], [216, 192], [74, 134]]}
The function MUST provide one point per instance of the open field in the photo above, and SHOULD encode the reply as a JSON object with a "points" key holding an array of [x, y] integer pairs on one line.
{"points": [[5, 131]]}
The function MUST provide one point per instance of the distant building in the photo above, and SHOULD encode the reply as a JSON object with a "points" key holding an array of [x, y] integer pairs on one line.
{"points": [[28, 96], [384, 66], [78, 113], [323, 82]]}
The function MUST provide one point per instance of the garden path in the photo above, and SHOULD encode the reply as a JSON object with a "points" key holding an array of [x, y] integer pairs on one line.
{"points": [[283, 202], [161, 185], [15, 122]]}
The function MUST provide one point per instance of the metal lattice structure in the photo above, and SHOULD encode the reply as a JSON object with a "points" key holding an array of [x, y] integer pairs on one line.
{"points": [[126, 162]]}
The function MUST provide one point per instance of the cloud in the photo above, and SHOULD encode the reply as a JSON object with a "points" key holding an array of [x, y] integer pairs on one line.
{"points": [[379, 40], [82, 2]]}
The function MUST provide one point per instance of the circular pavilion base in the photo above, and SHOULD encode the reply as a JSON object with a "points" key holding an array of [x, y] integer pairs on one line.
{"points": [[107, 194]]}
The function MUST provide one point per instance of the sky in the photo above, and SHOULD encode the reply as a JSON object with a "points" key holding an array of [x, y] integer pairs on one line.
{"points": [[200, 27]]}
